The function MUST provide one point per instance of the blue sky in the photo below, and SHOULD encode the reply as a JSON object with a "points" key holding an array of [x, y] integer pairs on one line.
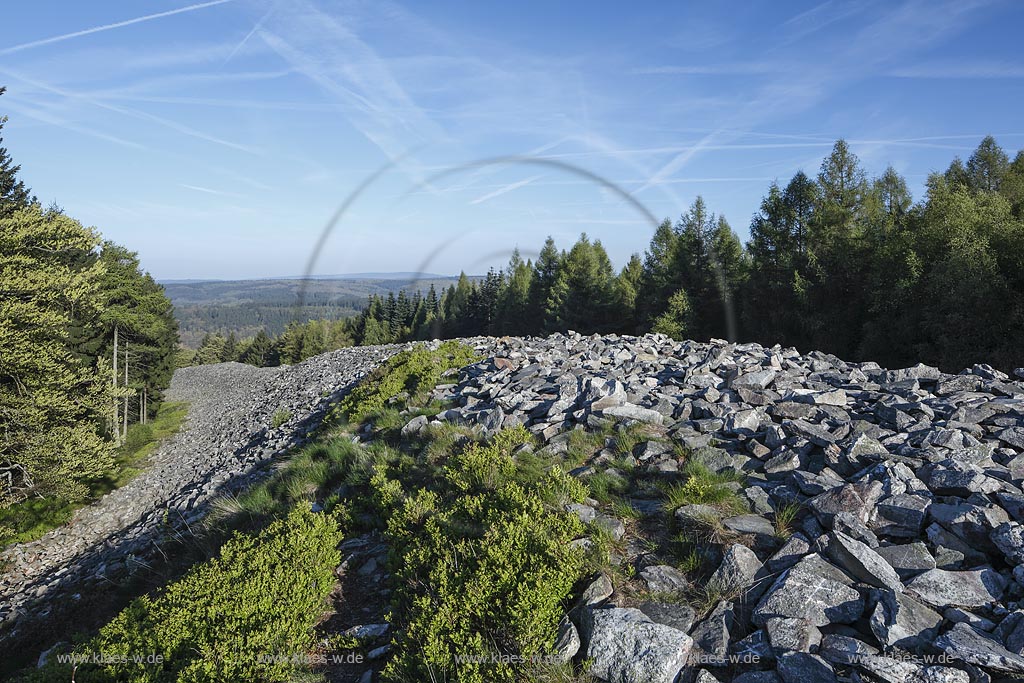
{"points": [[218, 138]]}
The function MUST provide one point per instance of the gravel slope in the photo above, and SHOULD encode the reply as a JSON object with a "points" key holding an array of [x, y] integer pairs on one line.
{"points": [[227, 435]]}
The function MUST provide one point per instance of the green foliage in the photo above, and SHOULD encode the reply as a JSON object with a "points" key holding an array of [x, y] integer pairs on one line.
{"points": [[261, 596], [30, 519], [310, 475], [675, 321], [704, 487], [280, 417], [414, 371], [13, 193], [50, 399], [484, 563]]}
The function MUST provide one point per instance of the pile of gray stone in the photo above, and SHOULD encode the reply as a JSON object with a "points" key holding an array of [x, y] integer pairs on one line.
{"points": [[906, 563]]}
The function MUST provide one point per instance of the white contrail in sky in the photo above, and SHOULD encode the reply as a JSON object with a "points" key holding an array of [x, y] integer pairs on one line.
{"points": [[107, 27]]}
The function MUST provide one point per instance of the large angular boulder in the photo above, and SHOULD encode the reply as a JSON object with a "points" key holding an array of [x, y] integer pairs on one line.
{"points": [[805, 592], [737, 571], [625, 646], [900, 621], [971, 645], [861, 562], [908, 559], [941, 588]]}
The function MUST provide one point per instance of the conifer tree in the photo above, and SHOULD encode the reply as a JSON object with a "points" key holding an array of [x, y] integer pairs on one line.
{"points": [[13, 193], [51, 402]]}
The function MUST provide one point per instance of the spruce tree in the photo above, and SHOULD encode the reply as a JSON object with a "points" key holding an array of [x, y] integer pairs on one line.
{"points": [[51, 401], [13, 193]]}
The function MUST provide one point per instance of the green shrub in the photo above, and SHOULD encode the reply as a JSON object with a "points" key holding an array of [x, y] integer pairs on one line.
{"points": [[310, 475], [280, 417], [261, 597], [483, 563], [415, 372], [138, 436], [704, 487]]}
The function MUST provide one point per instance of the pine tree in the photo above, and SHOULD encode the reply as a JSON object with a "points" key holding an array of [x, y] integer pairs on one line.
{"points": [[627, 289], [545, 274], [660, 278], [260, 351], [13, 193], [230, 351], [987, 166], [583, 294], [513, 305], [50, 400], [675, 321]]}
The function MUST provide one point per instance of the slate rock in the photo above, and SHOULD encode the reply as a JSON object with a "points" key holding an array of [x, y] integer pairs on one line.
{"points": [[802, 591], [625, 646], [1008, 537], [567, 642], [757, 677], [861, 562], [901, 516], [711, 636], [940, 588], [909, 559], [663, 578], [971, 645], [676, 615], [801, 667], [792, 635], [737, 571], [634, 412], [900, 621]]}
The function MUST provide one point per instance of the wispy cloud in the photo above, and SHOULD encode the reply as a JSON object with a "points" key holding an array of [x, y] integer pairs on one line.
{"points": [[135, 113], [108, 27], [207, 190], [256, 27], [961, 70], [739, 69], [330, 53], [507, 188], [59, 122], [911, 26]]}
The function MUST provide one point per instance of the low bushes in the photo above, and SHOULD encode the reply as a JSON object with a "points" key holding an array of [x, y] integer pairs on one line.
{"points": [[484, 564], [259, 600], [413, 372]]}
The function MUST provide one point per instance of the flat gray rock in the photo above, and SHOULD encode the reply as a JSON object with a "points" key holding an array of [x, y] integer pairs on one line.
{"points": [[663, 578], [676, 615], [634, 412], [941, 588], [801, 667], [908, 559], [967, 643], [802, 592]]}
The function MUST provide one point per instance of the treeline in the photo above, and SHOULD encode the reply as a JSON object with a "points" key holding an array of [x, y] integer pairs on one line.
{"points": [[87, 342], [297, 343], [840, 262], [246, 319]]}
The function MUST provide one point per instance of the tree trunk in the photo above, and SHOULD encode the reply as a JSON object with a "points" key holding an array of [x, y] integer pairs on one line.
{"points": [[114, 422], [126, 386]]}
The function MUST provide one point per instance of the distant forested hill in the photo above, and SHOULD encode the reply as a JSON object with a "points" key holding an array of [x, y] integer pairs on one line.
{"points": [[247, 306]]}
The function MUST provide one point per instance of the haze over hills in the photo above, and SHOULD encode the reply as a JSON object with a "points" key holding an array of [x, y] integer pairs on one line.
{"points": [[247, 306]]}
